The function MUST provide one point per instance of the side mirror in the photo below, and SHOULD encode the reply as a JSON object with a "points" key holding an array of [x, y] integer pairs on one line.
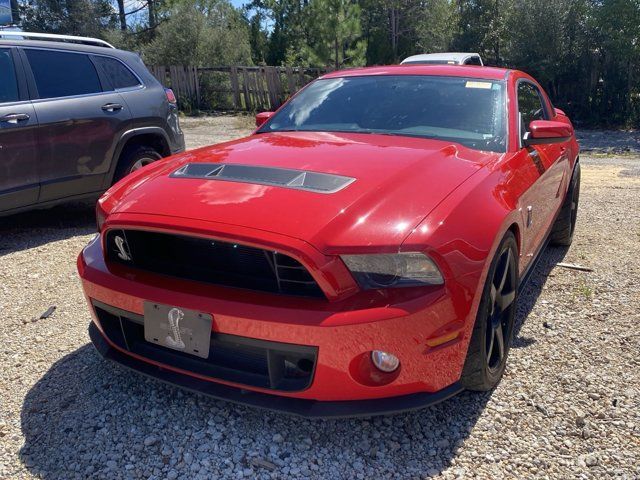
{"points": [[547, 131], [263, 117]]}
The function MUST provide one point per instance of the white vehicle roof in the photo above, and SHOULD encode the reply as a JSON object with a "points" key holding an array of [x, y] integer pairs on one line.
{"points": [[19, 35], [454, 58]]}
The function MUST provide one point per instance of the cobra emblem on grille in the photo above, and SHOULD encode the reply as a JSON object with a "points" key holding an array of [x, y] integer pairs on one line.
{"points": [[122, 248]]}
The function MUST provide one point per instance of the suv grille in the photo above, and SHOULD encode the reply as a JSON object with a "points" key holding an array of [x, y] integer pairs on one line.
{"points": [[210, 261], [248, 361]]}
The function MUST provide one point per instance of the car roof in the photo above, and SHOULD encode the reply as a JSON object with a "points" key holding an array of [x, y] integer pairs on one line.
{"points": [[444, 56], [471, 71], [72, 47]]}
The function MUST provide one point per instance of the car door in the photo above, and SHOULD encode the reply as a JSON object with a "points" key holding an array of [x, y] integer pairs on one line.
{"points": [[80, 122], [551, 164], [19, 183]]}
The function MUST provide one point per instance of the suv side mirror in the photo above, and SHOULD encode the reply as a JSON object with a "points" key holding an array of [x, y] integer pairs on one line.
{"points": [[263, 117], [547, 131]]}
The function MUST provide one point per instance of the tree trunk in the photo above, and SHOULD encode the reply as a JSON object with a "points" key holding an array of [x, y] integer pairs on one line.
{"points": [[152, 14], [121, 15], [393, 19], [337, 59], [15, 12]]}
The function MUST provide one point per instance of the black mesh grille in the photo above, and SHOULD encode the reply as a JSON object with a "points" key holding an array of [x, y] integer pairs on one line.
{"points": [[248, 361], [216, 262]]}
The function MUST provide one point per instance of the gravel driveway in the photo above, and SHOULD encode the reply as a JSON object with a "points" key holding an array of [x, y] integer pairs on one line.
{"points": [[568, 406]]}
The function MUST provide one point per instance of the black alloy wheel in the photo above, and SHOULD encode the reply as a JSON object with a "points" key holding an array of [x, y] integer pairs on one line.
{"points": [[500, 311], [493, 331]]}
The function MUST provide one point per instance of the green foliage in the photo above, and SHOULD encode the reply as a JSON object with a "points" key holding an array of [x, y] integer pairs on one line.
{"points": [[435, 26], [482, 27], [200, 33], [258, 39], [71, 17], [585, 53], [335, 38]]}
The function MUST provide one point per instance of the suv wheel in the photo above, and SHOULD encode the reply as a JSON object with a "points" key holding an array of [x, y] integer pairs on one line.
{"points": [[135, 158]]}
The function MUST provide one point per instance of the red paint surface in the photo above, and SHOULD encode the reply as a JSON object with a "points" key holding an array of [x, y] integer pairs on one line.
{"points": [[448, 201]]}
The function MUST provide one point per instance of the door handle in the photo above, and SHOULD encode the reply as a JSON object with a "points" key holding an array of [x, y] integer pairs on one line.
{"points": [[112, 107], [14, 118]]}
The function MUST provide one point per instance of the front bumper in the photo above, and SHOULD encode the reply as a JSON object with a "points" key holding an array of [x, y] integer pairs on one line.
{"points": [[295, 406], [341, 331]]}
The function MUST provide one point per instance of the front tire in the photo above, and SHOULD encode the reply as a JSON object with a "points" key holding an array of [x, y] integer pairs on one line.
{"points": [[493, 330]]}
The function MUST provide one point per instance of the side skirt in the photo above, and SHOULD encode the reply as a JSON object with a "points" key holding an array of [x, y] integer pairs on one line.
{"points": [[524, 278]]}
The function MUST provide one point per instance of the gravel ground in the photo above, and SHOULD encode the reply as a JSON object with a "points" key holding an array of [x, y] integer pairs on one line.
{"points": [[568, 406], [610, 141]]}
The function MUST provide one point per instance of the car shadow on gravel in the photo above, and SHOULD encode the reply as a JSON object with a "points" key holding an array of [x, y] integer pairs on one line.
{"points": [[528, 297], [38, 227], [87, 417]]}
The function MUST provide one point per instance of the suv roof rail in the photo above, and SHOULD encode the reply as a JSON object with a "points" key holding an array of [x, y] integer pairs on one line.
{"points": [[59, 38]]}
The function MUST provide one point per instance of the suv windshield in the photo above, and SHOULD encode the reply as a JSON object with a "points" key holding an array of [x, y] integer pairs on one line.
{"points": [[462, 110]]}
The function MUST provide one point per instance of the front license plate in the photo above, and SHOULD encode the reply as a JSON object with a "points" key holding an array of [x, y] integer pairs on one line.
{"points": [[180, 329]]}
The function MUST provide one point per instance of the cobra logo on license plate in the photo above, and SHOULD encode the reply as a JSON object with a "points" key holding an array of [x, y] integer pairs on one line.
{"points": [[177, 328]]}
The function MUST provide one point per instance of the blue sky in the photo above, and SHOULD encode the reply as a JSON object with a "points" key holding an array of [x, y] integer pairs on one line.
{"points": [[236, 3]]}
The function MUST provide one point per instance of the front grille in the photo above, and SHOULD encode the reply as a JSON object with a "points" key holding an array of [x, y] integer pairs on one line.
{"points": [[247, 361], [206, 260]]}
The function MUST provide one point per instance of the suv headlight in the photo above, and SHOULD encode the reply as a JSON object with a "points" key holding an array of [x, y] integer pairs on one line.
{"points": [[386, 270]]}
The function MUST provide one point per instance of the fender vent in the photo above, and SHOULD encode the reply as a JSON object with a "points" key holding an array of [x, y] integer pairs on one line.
{"points": [[279, 177]]}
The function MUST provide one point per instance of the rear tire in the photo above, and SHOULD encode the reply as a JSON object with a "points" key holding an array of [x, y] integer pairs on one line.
{"points": [[133, 158], [493, 330], [565, 224]]}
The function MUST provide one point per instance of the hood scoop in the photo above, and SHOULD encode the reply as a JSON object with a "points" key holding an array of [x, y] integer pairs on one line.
{"points": [[273, 176]]}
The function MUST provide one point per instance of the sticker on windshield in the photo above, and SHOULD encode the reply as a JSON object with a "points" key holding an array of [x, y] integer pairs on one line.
{"points": [[484, 85]]}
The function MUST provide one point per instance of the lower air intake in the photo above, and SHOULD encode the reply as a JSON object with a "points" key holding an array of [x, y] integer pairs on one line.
{"points": [[248, 361]]}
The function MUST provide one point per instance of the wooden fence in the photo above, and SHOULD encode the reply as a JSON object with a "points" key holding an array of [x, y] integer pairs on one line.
{"points": [[237, 88]]}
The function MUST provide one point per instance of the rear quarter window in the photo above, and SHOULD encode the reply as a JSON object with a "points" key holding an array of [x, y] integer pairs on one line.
{"points": [[8, 82], [62, 74], [116, 72]]}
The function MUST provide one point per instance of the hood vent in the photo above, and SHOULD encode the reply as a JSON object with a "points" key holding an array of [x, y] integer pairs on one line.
{"points": [[279, 177]]}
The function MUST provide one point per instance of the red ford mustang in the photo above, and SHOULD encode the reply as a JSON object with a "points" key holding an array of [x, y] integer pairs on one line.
{"points": [[360, 253]]}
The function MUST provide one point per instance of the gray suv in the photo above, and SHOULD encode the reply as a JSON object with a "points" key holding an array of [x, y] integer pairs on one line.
{"points": [[75, 118]]}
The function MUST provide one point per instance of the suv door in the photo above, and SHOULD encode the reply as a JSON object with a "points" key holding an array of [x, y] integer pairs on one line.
{"points": [[80, 121], [550, 160], [19, 184]]}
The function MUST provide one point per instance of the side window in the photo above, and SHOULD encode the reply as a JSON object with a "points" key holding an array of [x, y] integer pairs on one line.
{"points": [[61, 74], [119, 75], [529, 106], [473, 61], [8, 81]]}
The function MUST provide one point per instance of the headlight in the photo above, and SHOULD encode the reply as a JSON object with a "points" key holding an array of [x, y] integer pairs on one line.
{"points": [[101, 216], [393, 270]]}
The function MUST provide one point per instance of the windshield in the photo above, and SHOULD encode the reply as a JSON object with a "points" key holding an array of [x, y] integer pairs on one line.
{"points": [[462, 110]]}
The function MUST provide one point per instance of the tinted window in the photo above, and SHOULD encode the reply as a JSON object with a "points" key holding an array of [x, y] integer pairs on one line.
{"points": [[8, 82], [119, 75], [529, 105], [60, 74], [463, 110], [473, 61]]}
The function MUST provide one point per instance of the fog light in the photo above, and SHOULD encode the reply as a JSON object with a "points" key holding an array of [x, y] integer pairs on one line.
{"points": [[385, 361]]}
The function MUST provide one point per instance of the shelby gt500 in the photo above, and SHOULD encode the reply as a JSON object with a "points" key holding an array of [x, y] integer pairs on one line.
{"points": [[360, 253]]}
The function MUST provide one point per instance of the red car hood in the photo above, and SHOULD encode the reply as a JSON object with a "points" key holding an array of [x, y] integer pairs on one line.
{"points": [[398, 181]]}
